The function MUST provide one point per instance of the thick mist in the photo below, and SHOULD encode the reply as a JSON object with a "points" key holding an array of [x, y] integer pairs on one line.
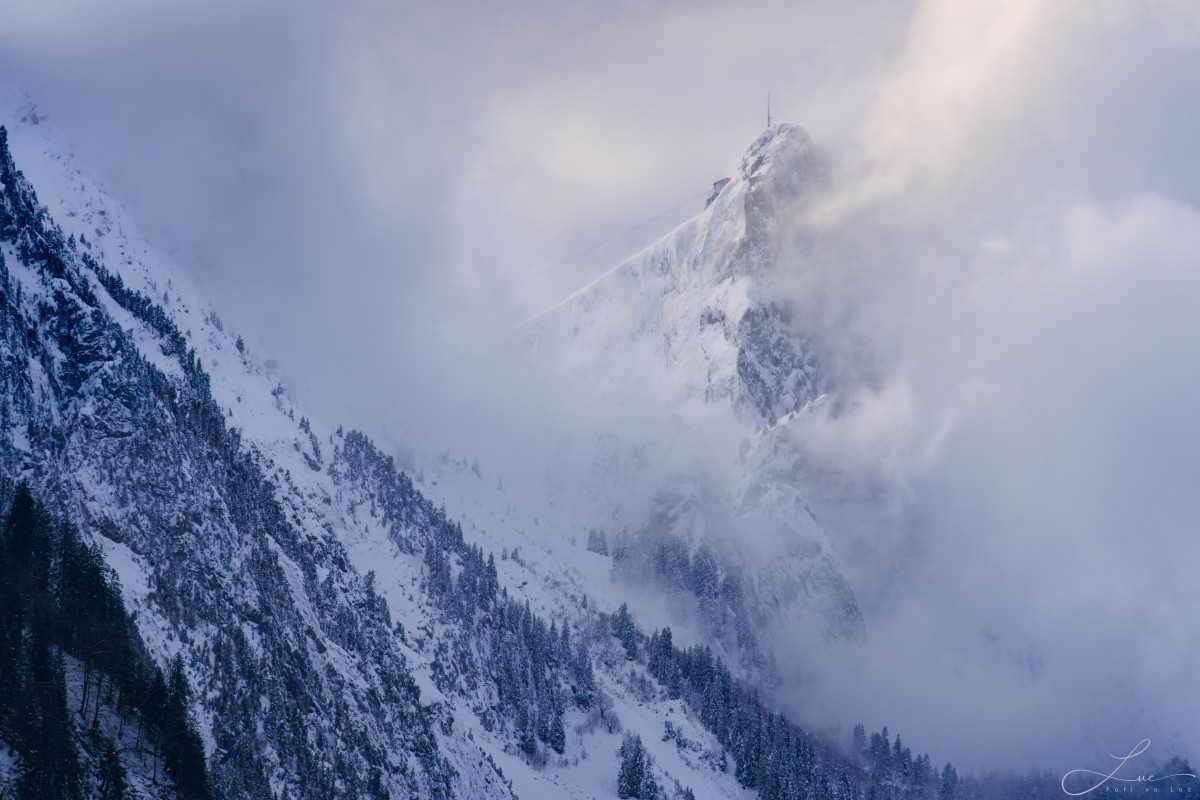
{"points": [[1005, 276], [1007, 273]]}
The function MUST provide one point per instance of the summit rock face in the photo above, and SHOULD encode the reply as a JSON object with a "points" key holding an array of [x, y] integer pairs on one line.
{"points": [[703, 297], [698, 322]]}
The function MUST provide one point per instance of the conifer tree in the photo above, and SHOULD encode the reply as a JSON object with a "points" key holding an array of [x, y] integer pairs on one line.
{"points": [[626, 631], [113, 782], [632, 773], [949, 788]]}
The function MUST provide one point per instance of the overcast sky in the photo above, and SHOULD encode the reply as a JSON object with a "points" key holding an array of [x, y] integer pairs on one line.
{"points": [[372, 190]]}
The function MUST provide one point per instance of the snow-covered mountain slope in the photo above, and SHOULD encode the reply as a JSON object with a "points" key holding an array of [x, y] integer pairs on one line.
{"points": [[109, 414], [351, 630], [290, 564], [696, 330]]}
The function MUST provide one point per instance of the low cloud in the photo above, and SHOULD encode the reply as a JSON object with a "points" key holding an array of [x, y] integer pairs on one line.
{"points": [[1006, 277]]}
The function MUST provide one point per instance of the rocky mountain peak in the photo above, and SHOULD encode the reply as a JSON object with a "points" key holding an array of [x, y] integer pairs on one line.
{"points": [[779, 169], [784, 146]]}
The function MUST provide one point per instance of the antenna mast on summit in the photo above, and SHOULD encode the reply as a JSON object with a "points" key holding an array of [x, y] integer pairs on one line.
{"points": [[768, 109]]}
